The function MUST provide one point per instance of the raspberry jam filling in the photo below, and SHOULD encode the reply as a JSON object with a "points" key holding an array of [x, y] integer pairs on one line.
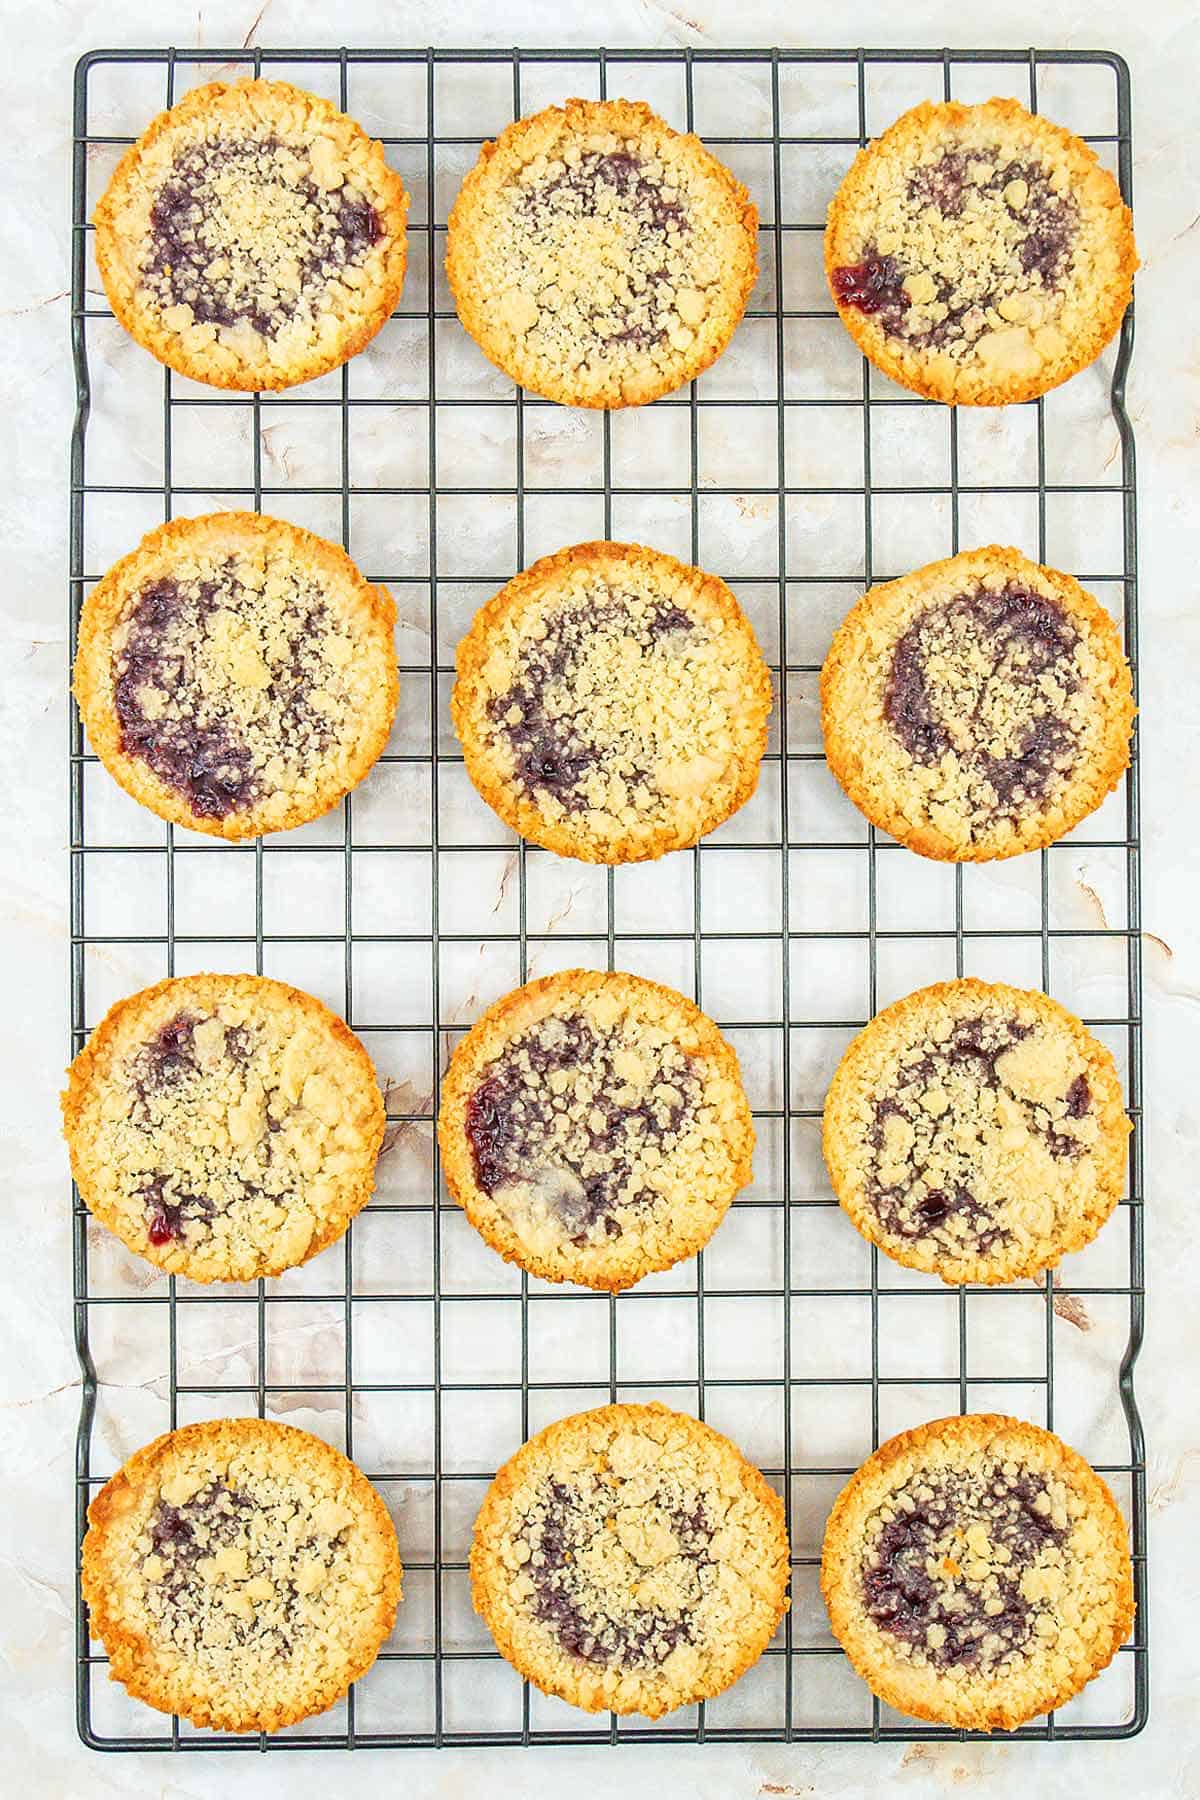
{"points": [[948, 1569], [976, 677], [182, 707], [166, 1219], [1030, 230], [585, 1574], [874, 285], [942, 1113], [569, 1112], [242, 234], [169, 1055], [544, 715]]}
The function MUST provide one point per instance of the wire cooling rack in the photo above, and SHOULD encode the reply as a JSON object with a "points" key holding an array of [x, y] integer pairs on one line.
{"points": [[795, 471]]}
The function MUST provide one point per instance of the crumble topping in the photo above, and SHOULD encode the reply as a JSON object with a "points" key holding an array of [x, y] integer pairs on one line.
{"points": [[594, 1127], [977, 1131], [978, 707], [616, 705], [963, 1566], [972, 1125], [240, 1573], [248, 1568], [578, 1127], [233, 1133], [630, 1557], [616, 1584], [239, 676], [986, 688], [985, 246], [248, 231], [254, 237], [970, 255], [597, 254], [977, 1572]]}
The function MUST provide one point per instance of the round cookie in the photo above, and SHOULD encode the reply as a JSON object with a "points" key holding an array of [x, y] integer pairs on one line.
{"points": [[593, 1127], [977, 708], [225, 1127], [236, 674], [630, 1559], [612, 703], [976, 1131], [253, 237], [598, 257], [979, 254], [240, 1574], [977, 1572]]}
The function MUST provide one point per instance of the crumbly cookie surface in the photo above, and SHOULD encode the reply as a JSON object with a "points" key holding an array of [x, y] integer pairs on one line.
{"points": [[223, 1126], [630, 1559], [976, 1131], [612, 703], [979, 254], [594, 1128], [253, 237], [237, 674], [598, 257], [979, 707], [240, 1573], [977, 1572]]}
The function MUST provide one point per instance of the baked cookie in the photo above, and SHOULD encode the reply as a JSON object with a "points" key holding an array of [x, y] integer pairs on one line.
{"points": [[978, 708], [630, 1559], [240, 1573], [979, 254], [977, 1572], [612, 703], [223, 1126], [593, 1127], [598, 257], [253, 237], [976, 1131], [236, 674]]}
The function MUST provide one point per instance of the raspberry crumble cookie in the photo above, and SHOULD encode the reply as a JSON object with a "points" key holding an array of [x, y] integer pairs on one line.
{"points": [[979, 254], [977, 1572], [598, 257], [594, 1128], [612, 703], [223, 1126], [253, 237], [976, 1131], [236, 674], [240, 1573], [978, 708], [630, 1559]]}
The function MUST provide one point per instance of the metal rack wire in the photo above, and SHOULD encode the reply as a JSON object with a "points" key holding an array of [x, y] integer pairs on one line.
{"points": [[810, 1421]]}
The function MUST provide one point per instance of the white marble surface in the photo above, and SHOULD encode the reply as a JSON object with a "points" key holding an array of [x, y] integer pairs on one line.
{"points": [[38, 1376]]}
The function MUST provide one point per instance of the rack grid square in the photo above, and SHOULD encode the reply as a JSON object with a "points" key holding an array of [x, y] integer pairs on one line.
{"points": [[799, 474]]}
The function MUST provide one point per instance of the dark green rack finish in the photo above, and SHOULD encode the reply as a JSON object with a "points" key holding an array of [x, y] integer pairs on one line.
{"points": [[435, 1722]]}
